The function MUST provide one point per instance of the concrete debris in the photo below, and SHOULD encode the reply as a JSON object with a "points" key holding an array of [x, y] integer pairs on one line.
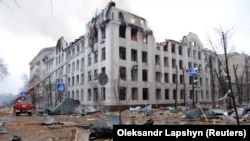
{"points": [[2, 124], [16, 138], [135, 110], [217, 111], [47, 120], [100, 131], [193, 114], [86, 109], [3, 130], [149, 122], [173, 110], [147, 110], [115, 120], [66, 107]]}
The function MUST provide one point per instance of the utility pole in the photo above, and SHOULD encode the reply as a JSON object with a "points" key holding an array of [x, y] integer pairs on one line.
{"points": [[193, 90], [229, 78], [184, 85], [212, 81]]}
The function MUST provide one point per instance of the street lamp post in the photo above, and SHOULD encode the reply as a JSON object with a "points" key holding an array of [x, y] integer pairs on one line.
{"points": [[193, 91]]}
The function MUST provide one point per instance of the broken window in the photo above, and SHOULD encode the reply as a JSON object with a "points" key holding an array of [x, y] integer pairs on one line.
{"points": [[200, 81], [191, 94], [189, 52], [194, 54], [69, 54], [144, 75], [73, 80], [73, 51], [145, 39], [89, 75], [123, 73], [173, 48], [206, 81], [202, 95], [69, 68], [82, 78], [103, 54], [77, 95], [199, 55], [122, 31], [134, 73], [134, 93], [195, 65], [144, 57], [89, 59], [73, 94], [173, 63], [180, 64], [181, 79], [174, 94], [89, 94], [199, 68], [134, 55], [77, 79], [96, 56], [165, 61], [95, 74], [77, 65], [68, 81], [158, 77], [133, 34], [158, 94], [157, 60], [122, 53], [166, 78], [103, 31], [77, 49], [82, 94], [103, 70], [166, 94], [73, 67], [182, 94], [121, 16], [180, 50], [82, 64], [193, 44], [174, 79], [122, 93], [189, 64], [165, 47], [95, 94], [145, 94], [68, 94]]}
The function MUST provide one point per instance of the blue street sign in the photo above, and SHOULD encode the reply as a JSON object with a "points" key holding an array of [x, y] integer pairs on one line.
{"points": [[23, 94], [60, 87], [193, 71]]}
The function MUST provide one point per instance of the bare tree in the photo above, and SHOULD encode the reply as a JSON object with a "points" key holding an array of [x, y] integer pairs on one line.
{"points": [[221, 45], [119, 86], [4, 72]]}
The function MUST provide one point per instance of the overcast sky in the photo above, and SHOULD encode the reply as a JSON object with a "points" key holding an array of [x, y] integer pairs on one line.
{"points": [[27, 26]]}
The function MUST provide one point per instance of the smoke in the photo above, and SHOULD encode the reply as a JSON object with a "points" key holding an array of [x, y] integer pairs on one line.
{"points": [[52, 18]]}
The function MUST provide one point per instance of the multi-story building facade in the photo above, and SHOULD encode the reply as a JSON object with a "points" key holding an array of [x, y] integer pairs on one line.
{"points": [[238, 66], [37, 72], [139, 71]]}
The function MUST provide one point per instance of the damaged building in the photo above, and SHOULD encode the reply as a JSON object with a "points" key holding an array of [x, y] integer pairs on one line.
{"points": [[139, 71]]}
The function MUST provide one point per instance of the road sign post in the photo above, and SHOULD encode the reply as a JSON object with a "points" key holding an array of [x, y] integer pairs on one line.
{"points": [[60, 87], [193, 72], [103, 80]]}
